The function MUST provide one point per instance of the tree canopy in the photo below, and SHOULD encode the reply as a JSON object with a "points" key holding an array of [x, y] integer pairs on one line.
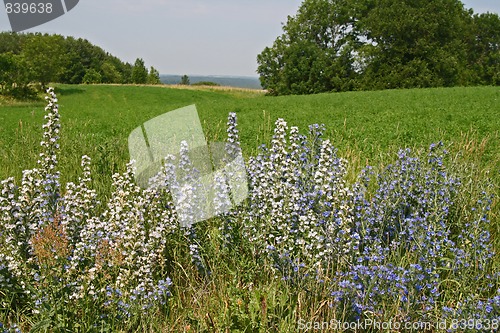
{"points": [[341, 45], [27, 59]]}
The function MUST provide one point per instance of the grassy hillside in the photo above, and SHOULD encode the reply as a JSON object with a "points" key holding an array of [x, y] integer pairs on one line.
{"points": [[364, 126]]}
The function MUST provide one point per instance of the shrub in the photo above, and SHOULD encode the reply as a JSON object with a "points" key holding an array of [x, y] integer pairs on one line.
{"points": [[92, 76]]}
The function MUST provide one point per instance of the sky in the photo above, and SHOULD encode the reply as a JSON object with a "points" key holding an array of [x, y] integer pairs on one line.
{"points": [[193, 37]]}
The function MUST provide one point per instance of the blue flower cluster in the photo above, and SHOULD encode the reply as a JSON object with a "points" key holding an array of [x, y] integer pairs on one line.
{"points": [[400, 241]]}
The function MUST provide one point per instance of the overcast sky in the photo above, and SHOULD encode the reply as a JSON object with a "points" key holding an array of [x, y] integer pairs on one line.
{"points": [[205, 37]]}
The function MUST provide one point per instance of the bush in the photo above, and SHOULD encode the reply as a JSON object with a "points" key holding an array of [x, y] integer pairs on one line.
{"points": [[91, 77]]}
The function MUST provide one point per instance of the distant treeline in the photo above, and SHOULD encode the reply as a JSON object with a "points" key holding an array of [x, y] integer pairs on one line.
{"points": [[32, 60]]}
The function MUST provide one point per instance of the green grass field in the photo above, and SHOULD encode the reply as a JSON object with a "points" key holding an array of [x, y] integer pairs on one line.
{"points": [[364, 126], [367, 128]]}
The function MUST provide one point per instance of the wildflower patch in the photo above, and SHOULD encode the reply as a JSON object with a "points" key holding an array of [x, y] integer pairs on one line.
{"points": [[409, 243]]}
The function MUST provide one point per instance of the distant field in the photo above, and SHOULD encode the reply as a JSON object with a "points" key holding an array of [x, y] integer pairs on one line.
{"points": [[365, 126]]}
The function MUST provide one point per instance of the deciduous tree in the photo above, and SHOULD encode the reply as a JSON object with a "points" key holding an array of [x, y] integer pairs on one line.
{"points": [[139, 72], [339, 45], [153, 76], [185, 80]]}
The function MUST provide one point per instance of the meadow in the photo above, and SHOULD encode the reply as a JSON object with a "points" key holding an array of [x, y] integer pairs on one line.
{"points": [[366, 127], [323, 238]]}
